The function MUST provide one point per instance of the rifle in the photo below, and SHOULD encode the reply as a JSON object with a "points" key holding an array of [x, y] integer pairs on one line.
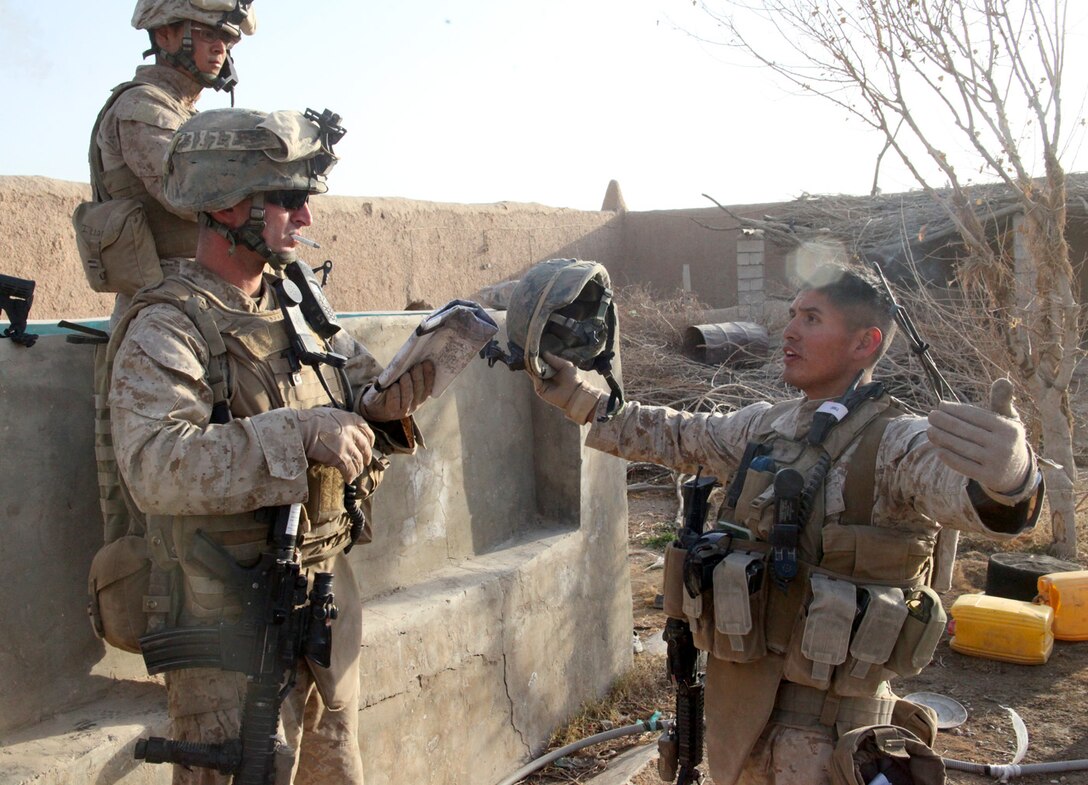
{"points": [[280, 623], [16, 297], [683, 742]]}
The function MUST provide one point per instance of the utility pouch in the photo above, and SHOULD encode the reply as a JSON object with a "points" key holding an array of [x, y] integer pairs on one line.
{"points": [[740, 594], [821, 635], [869, 554], [876, 631], [921, 632], [862, 755], [673, 581], [918, 719], [118, 585], [755, 508], [116, 246]]}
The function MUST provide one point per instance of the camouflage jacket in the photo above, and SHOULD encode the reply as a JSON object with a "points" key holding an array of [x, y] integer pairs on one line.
{"points": [[136, 131], [914, 489], [173, 459]]}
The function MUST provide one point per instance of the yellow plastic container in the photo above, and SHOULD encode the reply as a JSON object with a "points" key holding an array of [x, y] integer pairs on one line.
{"points": [[1067, 594], [1002, 629]]}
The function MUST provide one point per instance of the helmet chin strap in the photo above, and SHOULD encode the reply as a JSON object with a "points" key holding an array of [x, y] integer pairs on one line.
{"points": [[224, 81], [251, 235]]}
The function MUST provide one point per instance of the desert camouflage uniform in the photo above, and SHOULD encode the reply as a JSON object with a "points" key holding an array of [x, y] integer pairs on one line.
{"points": [[914, 489], [132, 139], [186, 473]]}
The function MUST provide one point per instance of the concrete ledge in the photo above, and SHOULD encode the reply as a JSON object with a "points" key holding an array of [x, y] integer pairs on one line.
{"points": [[486, 637], [90, 744], [463, 635], [496, 591]]}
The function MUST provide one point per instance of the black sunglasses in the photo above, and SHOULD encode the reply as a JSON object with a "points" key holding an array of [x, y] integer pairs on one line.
{"points": [[288, 200]]}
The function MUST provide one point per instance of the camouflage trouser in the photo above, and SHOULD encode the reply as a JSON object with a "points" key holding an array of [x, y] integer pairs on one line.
{"points": [[789, 756], [205, 705]]}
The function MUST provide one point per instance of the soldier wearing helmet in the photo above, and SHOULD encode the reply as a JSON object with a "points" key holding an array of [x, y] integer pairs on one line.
{"points": [[816, 588], [191, 41], [212, 422]]}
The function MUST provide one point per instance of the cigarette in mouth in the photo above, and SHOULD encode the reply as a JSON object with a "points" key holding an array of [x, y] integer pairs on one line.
{"points": [[298, 238]]}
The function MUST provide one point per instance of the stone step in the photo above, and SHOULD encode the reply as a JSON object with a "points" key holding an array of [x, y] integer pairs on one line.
{"points": [[90, 744]]}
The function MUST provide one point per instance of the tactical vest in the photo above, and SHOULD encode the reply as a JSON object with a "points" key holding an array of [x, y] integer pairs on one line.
{"points": [[174, 236], [249, 372], [858, 609]]}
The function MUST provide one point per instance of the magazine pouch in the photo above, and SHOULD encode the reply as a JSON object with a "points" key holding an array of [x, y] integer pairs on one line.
{"points": [[740, 593], [821, 637], [880, 615], [921, 632]]}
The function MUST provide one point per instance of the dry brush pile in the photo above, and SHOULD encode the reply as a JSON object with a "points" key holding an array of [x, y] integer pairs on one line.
{"points": [[656, 371]]}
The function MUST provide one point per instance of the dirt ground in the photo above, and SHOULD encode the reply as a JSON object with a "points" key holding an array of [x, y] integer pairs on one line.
{"points": [[1050, 698]]}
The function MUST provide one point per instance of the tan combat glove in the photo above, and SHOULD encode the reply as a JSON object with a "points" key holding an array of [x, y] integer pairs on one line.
{"points": [[988, 446], [567, 391], [336, 438], [402, 397]]}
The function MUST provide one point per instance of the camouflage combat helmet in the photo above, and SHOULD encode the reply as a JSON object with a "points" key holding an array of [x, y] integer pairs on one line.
{"points": [[222, 156], [564, 306], [233, 17]]}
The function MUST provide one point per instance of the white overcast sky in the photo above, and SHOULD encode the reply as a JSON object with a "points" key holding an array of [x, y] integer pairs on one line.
{"points": [[475, 101]]}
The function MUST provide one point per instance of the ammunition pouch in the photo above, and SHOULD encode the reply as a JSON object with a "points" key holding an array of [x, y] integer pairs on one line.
{"points": [[838, 632]]}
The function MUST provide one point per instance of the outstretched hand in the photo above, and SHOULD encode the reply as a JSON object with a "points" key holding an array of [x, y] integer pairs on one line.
{"points": [[402, 397], [985, 445], [567, 390]]}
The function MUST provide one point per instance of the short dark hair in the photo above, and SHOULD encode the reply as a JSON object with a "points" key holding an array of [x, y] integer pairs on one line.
{"points": [[859, 295]]}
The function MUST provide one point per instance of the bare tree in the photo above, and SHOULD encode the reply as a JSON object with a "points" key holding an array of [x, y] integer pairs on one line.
{"points": [[947, 81]]}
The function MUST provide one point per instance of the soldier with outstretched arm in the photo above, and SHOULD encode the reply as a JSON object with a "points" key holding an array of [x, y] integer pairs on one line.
{"points": [[819, 590]]}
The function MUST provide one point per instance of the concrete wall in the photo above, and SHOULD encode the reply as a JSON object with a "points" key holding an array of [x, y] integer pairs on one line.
{"points": [[496, 589]]}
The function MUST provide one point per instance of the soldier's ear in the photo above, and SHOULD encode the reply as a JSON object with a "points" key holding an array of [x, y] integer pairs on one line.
{"points": [[869, 342], [168, 37]]}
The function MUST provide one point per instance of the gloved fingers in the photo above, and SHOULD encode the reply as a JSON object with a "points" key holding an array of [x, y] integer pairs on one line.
{"points": [[947, 429], [980, 444], [558, 363], [360, 427], [977, 424], [1001, 395], [958, 462], [349, 447], [422, 382], [376, 404]]}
